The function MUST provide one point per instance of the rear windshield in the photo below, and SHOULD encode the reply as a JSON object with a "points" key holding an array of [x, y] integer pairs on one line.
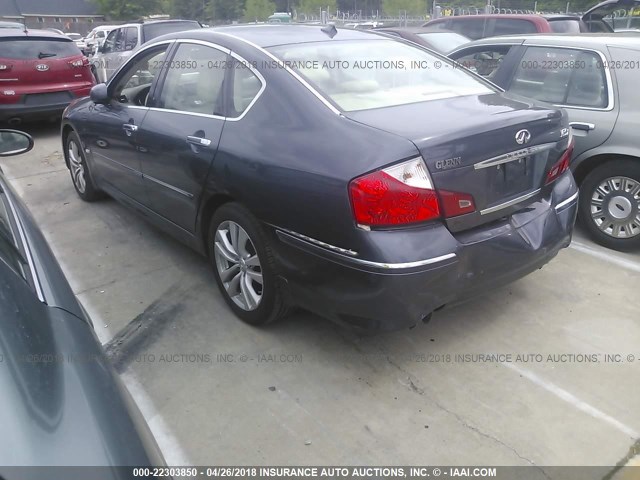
{"points": [[565, 26], [153, 30], [366, 74], [31, 48]]}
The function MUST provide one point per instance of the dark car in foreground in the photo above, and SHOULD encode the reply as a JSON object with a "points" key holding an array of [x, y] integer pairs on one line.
{"points": [[441, 41], [595, 78], [61, 403], [41, 72], [368, 191]]}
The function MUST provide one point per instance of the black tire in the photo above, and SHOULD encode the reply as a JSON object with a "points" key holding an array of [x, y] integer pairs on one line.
{"points": [[619, 201], [79, 170], [272, 304]]}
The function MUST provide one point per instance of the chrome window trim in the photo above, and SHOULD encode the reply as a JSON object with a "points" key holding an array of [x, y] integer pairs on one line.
{"points": [[510, 202], [607, 75], [564, 203], [288, 69], [27, 250], [515, 155]]}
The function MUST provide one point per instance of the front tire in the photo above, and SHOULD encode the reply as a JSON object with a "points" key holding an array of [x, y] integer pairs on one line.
{"points": [[610, 204], [80, 174], [244, 266]]}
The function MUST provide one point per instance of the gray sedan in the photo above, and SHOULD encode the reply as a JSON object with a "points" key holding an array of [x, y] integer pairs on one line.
{"points": [[594, 77]]}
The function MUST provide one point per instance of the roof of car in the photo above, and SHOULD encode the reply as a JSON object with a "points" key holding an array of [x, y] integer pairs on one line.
{"points": [[522, 16], [11, 32], [153, 22], [622, 39], [413, 29], [269, 35]]}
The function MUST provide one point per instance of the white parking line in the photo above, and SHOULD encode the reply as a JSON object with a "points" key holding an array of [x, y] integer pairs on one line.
{"points": [[606, 256], [573, 400], [173, 453]]}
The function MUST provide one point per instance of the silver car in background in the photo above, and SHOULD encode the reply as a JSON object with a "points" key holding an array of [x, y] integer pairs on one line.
{"points": [[595, 78]]}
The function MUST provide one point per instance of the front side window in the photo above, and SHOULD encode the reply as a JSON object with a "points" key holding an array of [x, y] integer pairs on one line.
{"points": [[110, 43], [194, 81], [131, 38], [561, 76], [134, 84], [485, 61], [366, 74]]}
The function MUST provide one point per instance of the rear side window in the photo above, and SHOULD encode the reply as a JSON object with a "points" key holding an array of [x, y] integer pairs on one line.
{"points": [[562, 76], [511, 26], [31, 48], [246, 86], [473, 28], [153, 30]]}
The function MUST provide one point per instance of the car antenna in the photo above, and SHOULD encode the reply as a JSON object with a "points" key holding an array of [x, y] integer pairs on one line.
{"points": [[330, 30]]}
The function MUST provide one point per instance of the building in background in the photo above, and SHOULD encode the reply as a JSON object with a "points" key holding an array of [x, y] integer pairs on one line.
{"points": [[79, 16]]}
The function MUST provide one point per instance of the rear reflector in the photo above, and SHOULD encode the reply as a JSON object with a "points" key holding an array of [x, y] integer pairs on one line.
{"points": [[456, 203], [561, 165], [398, 195]]}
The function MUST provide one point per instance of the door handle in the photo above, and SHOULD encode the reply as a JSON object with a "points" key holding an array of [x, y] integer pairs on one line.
{"points": [[199, 141], [582, 126], [129, 128]]}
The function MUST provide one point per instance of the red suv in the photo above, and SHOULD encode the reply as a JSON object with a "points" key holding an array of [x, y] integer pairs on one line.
{"points": [[482, 26], [41, 72]]}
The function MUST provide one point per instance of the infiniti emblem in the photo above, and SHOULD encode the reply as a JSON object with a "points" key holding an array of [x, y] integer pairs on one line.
{"points": [[41, 67], [522, 137]]}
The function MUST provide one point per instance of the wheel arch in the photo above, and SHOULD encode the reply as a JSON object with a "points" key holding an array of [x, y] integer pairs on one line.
{"points": [[66, 130], [213, 203], [589, 163]]}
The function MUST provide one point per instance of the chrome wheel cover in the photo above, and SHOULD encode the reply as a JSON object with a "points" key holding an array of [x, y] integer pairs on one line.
{"points": [[77, 168], [238, 265], [615, 207]]}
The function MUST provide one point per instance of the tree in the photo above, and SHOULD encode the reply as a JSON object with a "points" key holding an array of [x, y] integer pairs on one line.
{"points": [[413, 7], [258, 10], [127, 9], [226, 10]]}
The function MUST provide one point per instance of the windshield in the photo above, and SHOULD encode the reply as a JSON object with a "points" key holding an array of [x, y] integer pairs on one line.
{"points": [[366, 74], [444, 41], [29, 48], [74, 36]]}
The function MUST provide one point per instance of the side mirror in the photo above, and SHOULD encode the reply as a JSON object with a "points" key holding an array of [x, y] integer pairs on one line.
{"points": [[99, 94], [14, 142]]}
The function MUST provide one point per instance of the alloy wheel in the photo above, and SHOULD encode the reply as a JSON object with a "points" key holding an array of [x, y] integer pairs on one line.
{"points": [[615, 207], [238, 265], [77, 168]]}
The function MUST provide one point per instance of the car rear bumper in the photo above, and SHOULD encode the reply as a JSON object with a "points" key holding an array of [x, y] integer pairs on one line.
{"points": [[40, 105], [375, 296]]}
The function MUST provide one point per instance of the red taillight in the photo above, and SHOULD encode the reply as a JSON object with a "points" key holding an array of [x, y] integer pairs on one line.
{"points": [[561, 165], [398, 195], [456, 203]]}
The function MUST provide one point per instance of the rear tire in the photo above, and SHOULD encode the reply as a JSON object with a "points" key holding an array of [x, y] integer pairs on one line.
{"points": [[80, 174], [609, 206], [244, 266]]}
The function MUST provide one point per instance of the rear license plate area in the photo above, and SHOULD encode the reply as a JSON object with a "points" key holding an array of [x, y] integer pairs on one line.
{"points": [[516, 177], [47, 98]]}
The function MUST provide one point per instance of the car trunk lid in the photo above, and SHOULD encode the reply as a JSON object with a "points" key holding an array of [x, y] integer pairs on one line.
{"points": [[494, 147]]}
